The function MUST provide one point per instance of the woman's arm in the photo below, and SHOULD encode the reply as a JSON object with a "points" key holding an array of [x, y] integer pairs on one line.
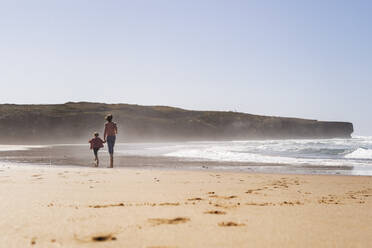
{"points": [[116, 128]]}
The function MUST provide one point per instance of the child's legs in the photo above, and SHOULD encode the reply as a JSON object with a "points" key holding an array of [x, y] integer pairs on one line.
{"points": [[95, 150]]}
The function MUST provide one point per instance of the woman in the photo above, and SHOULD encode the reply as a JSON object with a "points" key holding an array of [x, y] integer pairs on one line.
{"points": [[109, 136]]}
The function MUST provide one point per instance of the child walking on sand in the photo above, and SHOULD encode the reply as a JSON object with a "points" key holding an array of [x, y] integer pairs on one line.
{"points": [[95, 144]]}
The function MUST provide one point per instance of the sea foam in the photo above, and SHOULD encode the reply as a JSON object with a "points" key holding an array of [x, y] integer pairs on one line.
{"points": [[360, 153], [4, 148], [327, 152]]}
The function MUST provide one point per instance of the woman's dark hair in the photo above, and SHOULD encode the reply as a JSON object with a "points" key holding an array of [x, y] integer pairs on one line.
{"points": [[108, 117]]}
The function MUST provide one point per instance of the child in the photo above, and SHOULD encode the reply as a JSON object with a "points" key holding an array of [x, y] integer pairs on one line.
{"points": [[96, 143]]}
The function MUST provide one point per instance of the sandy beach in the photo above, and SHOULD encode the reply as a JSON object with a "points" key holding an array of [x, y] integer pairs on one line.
{"points": [[186, 124], [88, 207]]}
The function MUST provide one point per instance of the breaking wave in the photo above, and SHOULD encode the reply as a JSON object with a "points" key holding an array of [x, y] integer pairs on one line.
{"points": [[360, 153], [330, 152]]}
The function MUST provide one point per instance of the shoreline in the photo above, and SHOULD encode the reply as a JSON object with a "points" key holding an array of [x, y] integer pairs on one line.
{"points": [[126, 207], [169, 163], [32, 166]]}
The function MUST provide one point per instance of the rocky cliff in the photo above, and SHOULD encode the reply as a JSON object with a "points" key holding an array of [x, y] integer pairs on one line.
{"points": [[75, 122]]}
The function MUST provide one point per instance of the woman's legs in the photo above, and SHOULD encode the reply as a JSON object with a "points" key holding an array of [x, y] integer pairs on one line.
{"points": [[110, 145], [111, 160]]}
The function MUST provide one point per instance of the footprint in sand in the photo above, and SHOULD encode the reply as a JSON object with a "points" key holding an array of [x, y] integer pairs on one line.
{"points": [[330, 199], [195, 199], [215, 212], [163, 221], [359, 195], [102, 238], [107, 206], [37, 176], [97, 238], [285, 183], [224, 197], [169, 204], [230, 223], [253, 191], [351, 196], [290, 203], [226, 206], [261, 204]]}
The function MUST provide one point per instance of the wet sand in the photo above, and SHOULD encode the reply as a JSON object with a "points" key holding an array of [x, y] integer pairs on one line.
{"points": [[88, 207]]}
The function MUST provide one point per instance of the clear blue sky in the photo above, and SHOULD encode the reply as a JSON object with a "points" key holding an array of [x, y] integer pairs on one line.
{"points": [[309, 59]]}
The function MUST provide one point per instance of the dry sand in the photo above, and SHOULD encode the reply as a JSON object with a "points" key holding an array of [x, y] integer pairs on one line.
{"points": [[86, 207]]}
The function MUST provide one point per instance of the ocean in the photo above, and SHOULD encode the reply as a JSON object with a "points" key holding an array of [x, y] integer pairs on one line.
{"points": [[308, 156]]}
